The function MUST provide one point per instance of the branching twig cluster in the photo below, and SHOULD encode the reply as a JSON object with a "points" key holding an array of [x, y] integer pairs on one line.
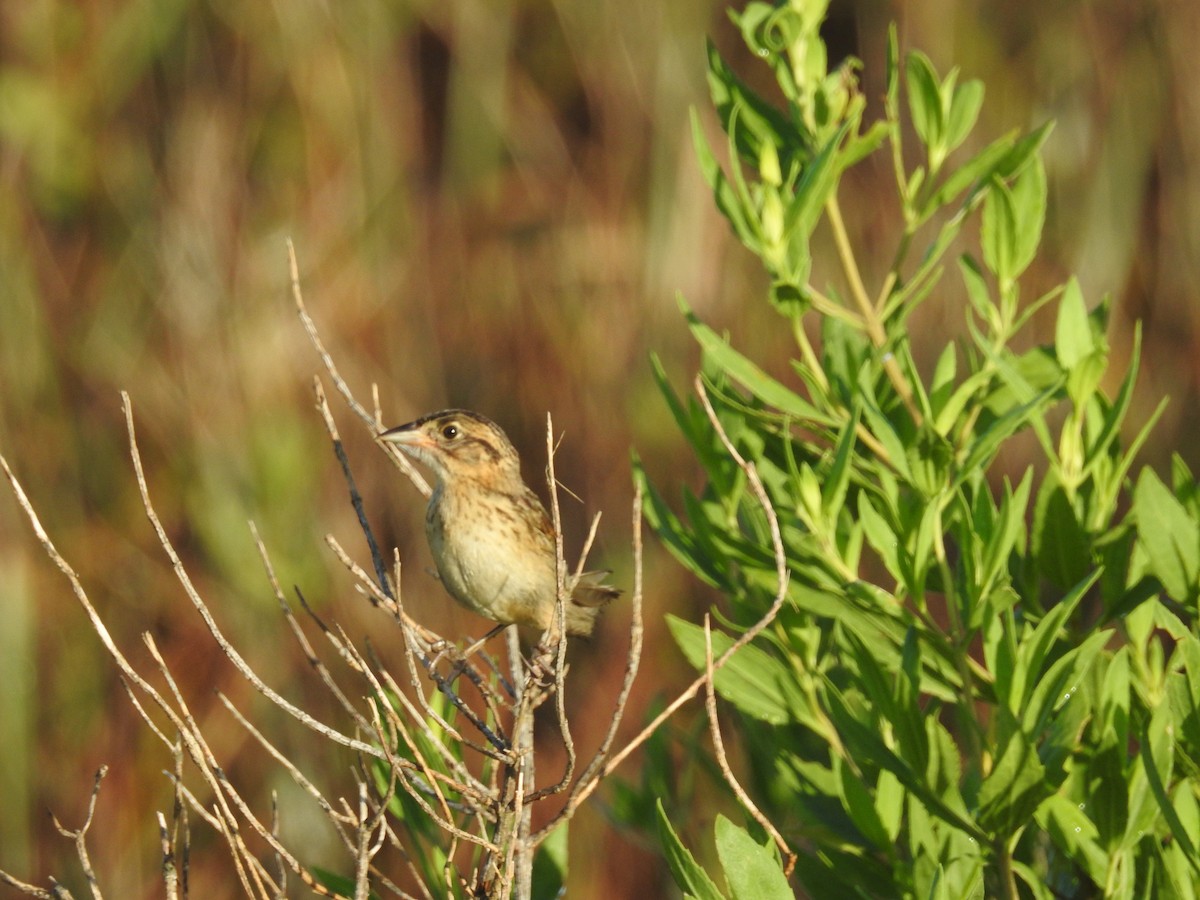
{"points": [[444, 779]]}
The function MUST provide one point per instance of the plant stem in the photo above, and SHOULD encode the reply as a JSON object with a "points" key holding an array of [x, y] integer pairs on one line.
{"points": [[1008, 878], [523, 746], [866, 308]]}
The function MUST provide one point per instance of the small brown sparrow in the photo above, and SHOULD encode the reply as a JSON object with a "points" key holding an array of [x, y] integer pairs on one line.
{"points": [[491, 538]]}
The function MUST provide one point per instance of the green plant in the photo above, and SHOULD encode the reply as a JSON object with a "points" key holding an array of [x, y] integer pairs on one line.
{"points": [[975, 685]]}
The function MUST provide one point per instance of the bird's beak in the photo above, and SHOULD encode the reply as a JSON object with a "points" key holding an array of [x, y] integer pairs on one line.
{"points": [[406, 436]]}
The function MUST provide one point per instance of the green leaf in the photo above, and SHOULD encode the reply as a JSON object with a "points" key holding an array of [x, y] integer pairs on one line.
{"points": [[984, 447], [978, 168], [1034, 879], [761, 122], [999, 232], [729, 202], [925, 100], [889, 802], [1146, 786], [816, 184], [550, 865], [754, 681], [1008, 526], [680, 540], [750, 376], [1061, 544], [340, 885], [942, 385], [1167, 535], [880, 535], [1035, 648], [1074, 833], [892, 73], [838, 478], [1029, 207], [879, 425], [688, 875], [1073, 338], [1022, 152], [964, 110], [1158, 767], [752, 871], [1014, 788]]}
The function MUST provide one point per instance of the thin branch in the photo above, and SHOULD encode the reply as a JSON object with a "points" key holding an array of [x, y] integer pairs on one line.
{"points": [[210, 622], [79, 835], [592, 773], [866, 308], [372, 421], [584, 788], [710, 705], [562, 598], [169, 871]]}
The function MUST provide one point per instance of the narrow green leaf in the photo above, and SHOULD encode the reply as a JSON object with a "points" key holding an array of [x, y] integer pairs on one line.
{"points": [[671, 531], [1061, 684], [1159, 763], [1034, 648], [1029, 207], [1169, 536], [1115, 414], [1014, 788], [1022, 152], [1156, 762], [999, 232], [1010, 522], [1075, 834], [1034, 879], [817, 182], [879, 425], [925, 100], [1060, 543], [984, 447], [752, 871], [750, 376], [978, 169], [728, 201], [889, 802], [942, 385], [688, 875], [550, 865], [880, 535], [856, 800], [1073, 339], [892, 73], [838, 479], [754, 681], [964, 110], [761, 122]]}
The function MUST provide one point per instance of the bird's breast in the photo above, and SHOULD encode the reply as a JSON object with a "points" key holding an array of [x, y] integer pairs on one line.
{"points": [[490, 559]]}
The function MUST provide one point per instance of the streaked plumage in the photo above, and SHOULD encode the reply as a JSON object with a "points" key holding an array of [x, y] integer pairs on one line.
{"points": [[491, 538]]}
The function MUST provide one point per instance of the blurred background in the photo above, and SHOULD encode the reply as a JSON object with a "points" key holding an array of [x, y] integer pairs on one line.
{"points": [[494, 203]]}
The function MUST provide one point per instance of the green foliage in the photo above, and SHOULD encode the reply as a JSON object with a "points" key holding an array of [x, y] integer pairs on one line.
{"points": [[751, 869], [978, 685]]}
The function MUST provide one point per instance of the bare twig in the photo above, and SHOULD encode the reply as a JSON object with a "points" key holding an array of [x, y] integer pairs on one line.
{"points": [[355, 497], [585, 787], [372, 421], [79, 835], [169, 870], [562, 598], [710, 706]]}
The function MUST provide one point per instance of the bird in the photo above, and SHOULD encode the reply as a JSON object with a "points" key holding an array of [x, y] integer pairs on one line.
{"points": [[491, 539]]}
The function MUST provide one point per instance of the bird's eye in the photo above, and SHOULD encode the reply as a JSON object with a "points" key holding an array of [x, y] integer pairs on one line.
{"points": [[450, 432]]}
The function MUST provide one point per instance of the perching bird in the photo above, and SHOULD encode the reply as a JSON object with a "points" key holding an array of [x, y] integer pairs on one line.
{"points": [[491, 538]]}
